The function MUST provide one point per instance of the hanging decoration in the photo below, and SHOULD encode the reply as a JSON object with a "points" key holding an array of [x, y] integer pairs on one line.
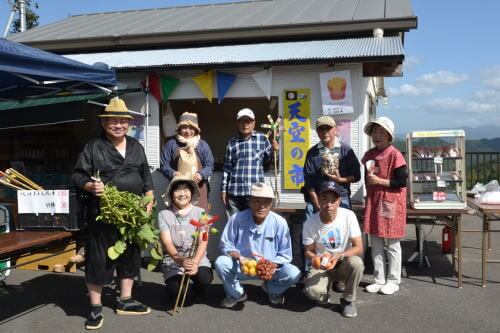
{"points": [[224, 82], [168, 84], [264, 80], [204, 81], [161, 87]]}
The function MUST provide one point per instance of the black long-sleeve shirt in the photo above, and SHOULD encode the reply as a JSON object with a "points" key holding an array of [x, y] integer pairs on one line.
{"points": [[130, 174]]}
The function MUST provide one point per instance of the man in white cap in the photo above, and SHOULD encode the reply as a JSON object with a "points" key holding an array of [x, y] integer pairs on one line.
{"points": [[244, 160], [332, 241], [256, 231], [120, 160]]}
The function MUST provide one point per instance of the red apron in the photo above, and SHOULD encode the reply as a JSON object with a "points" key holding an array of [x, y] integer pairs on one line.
{"points": [[385, 210]]}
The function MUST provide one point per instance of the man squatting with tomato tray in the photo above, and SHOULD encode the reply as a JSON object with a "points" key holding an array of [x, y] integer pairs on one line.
{"points": [[332, 242], [253, 233]]}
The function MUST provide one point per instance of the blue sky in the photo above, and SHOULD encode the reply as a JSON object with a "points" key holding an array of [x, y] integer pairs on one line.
{"points": [[452, 69]]}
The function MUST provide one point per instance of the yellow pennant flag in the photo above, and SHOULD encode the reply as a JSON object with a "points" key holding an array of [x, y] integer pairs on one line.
{"points": [[204, 81]]}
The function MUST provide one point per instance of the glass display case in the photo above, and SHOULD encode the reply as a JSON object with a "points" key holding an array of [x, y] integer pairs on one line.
{"points": [[436, 169]]}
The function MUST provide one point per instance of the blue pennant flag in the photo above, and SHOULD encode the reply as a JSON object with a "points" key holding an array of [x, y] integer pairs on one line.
{"points": [[224, 82]]}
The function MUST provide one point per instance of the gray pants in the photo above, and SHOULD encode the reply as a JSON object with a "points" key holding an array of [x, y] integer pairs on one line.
{"points": [[318, 282], [393, 248]]}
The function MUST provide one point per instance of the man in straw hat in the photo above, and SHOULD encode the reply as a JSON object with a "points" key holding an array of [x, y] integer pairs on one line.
{"points": [[189, 155], [256, 231], [120, 160]]}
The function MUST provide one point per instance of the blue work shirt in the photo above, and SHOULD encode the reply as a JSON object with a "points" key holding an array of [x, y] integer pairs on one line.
{"points": [[271, 239]]}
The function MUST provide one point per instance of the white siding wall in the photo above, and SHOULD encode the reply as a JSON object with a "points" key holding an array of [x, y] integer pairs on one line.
{"points": [[284, 77]]}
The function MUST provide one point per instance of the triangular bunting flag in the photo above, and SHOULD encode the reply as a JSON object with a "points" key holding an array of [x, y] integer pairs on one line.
{"points": [[224, 82], [204, 81], [154, 86], [168, 85], [264, 80]]}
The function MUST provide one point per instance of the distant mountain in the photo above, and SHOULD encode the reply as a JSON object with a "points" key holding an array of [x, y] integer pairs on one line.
{"points": [[471, 146], [473, 133]]}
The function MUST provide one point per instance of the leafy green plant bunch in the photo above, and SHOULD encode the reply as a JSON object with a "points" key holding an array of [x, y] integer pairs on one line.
{"points": [[127, 211]]}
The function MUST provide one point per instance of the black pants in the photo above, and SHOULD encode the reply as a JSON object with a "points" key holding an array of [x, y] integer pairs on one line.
{"points": [[198, 287]]}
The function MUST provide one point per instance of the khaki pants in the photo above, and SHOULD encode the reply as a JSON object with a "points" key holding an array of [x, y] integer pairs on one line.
{"points": [[318, 282]]}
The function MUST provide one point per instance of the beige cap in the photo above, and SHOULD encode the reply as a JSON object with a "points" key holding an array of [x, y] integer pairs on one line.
{"points": [[262, 190], [384, 122], [325, 121], [195, 190]]}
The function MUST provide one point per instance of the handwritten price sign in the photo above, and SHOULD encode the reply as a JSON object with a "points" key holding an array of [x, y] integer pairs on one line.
{"points": [[43, 202]]}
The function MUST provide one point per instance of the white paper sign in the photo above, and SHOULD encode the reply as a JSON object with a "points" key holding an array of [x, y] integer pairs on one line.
{"points": [[43, 202], [336, 92]]}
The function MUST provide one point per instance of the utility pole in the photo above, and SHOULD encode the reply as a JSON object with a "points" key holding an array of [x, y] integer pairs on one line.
{"points": [[9, 21], [22, 14]]}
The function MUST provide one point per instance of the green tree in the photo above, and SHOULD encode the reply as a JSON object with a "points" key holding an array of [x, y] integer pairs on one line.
{"points": [[31, 16]]}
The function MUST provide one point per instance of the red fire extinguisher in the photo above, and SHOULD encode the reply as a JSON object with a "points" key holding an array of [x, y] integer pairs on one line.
{"points": [[446, 239]]}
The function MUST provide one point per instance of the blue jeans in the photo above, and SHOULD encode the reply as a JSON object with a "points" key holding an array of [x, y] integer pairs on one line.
{"points": [[229, 272], [237, 203]]}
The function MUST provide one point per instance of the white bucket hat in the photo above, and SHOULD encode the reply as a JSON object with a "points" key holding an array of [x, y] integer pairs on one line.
{"points": [[195, 191], [384, 122], [262, 190]]}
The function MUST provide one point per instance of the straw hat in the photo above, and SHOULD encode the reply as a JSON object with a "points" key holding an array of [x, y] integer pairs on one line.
{"points": [[195, 191], [190, 119], [116, 108]]}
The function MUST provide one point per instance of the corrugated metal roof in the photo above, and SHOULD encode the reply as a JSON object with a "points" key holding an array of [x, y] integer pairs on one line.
{"points": [[213, 17], [354, 48]]}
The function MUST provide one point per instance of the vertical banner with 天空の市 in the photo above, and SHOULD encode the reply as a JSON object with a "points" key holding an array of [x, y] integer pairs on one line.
{"points": [[336, 92], [296, 115]]}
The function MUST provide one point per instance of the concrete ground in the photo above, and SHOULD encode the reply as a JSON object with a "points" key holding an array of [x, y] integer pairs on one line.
{"points": [[35, 301]]}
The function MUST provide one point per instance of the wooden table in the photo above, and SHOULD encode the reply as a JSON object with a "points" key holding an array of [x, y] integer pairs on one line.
{"points": [[487, 213], [16, 243]]}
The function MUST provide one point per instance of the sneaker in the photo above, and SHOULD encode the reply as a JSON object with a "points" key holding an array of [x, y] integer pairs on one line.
{"points": [[348, 309], [229, 302], [374, 288], [390, 288], [131, 307], [275, 299], [338, 286], [94, 321]]}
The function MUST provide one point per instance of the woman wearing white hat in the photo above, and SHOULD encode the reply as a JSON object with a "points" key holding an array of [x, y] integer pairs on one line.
{"points": [[385, 211], [187, 154]]}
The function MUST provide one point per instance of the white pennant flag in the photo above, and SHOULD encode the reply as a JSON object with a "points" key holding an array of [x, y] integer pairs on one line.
{"points": [[264, 80]]}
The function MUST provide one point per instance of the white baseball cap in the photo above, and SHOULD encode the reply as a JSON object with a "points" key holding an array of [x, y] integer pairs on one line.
{"points": [[246, 112]]}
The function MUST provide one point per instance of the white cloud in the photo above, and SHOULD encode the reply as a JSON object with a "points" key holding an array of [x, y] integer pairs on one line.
{"points": [[446, 104], [478, 107], [491, 77], [411, 62], [409, 90], [488, 95], [441, 78]]}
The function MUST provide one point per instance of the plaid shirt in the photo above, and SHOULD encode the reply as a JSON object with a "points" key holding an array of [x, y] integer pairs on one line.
{"points": [[243, 163]]}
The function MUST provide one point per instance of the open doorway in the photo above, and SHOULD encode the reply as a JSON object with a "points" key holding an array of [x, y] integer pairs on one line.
{"points": [[218, 121]]}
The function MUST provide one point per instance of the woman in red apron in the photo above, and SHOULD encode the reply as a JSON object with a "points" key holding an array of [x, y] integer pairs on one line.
{"points": [[385, 211]]}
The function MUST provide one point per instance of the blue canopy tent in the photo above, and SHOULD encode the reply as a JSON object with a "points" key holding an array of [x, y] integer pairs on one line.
{"points": [[27, 73], [32, 79]]}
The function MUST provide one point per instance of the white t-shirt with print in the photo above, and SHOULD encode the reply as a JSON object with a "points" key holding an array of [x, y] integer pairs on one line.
{"points": [[332, 237]]}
